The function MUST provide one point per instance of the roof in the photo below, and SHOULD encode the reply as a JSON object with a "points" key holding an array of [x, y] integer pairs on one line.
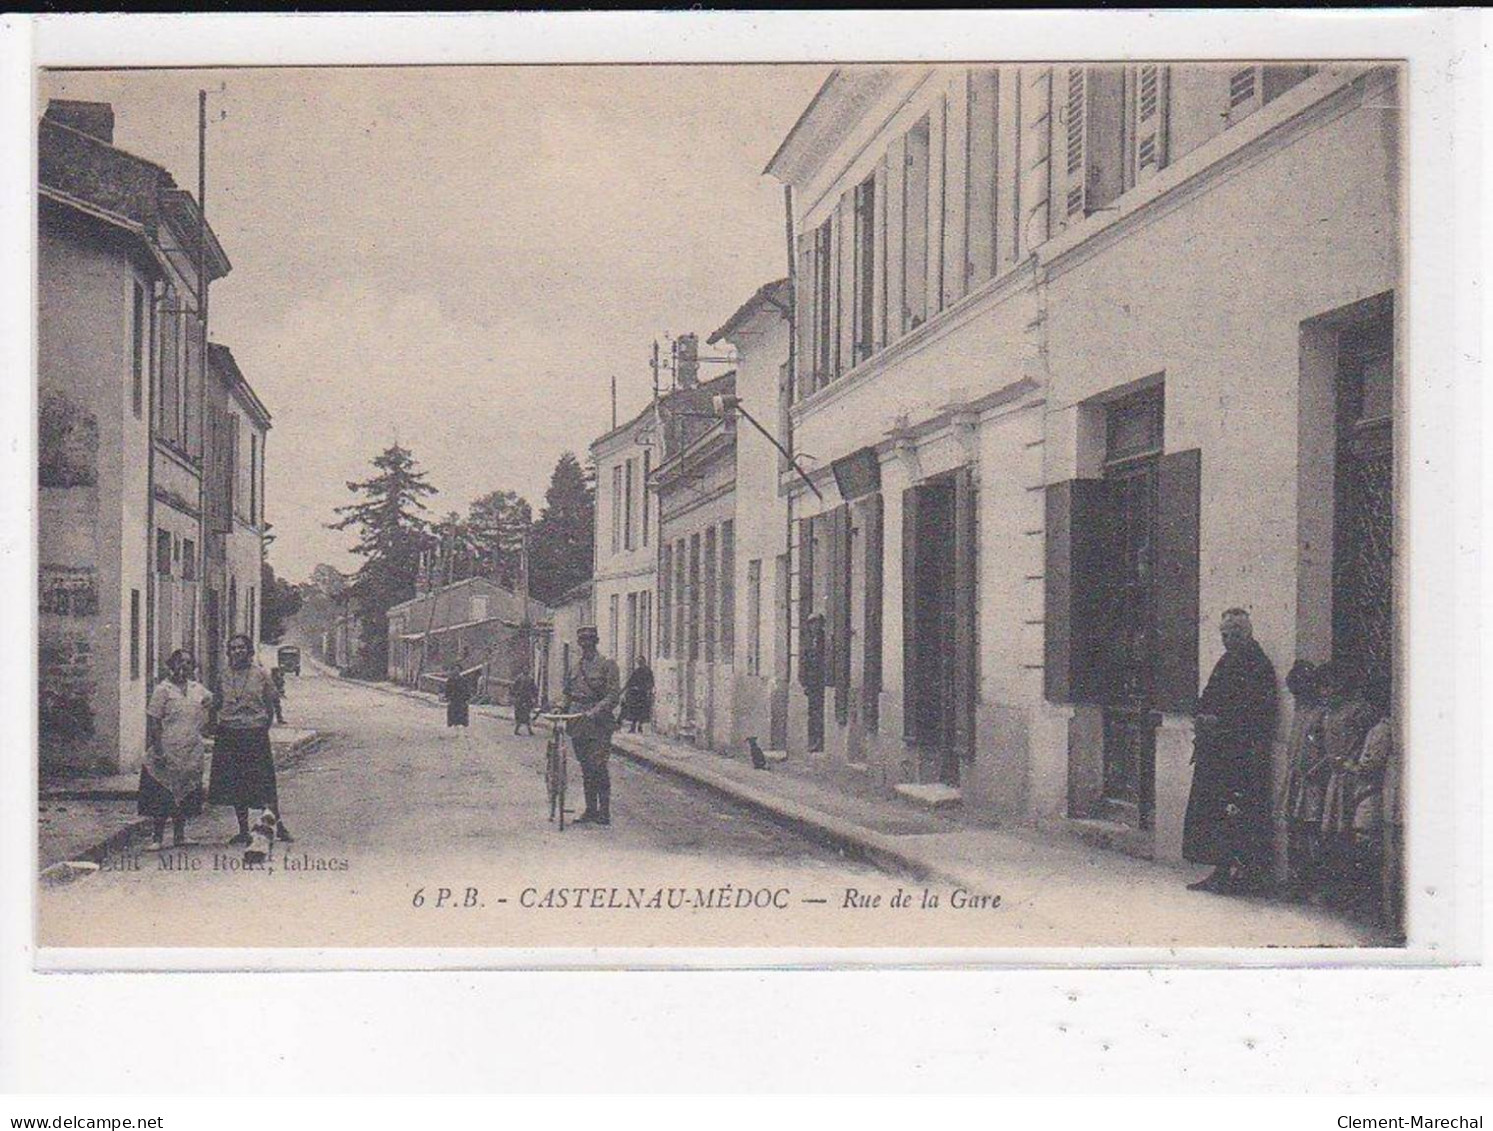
{"points": [[667, 400], [81, 170], [841, 100], [535, 607], [222, 359], [770, 296]]}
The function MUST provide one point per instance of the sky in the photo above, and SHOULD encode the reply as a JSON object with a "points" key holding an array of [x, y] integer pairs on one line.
{"points": [[461, 258]]}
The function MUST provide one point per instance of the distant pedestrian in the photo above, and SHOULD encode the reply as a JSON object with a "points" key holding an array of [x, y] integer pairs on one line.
{"points": [[243, 771], [175, 750], [1228, 811], [637, 696], [1306, 778], [525, 699], [277, 676], [458, 692], [592, 689]]}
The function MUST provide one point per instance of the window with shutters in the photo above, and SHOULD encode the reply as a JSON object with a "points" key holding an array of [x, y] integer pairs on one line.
{"points": [[188, 560], [915, 218], [1148, 112], [681, 607], [665, 600], [981, 193], [139, 351], [614, 611], [134, 634], [694, 597], [710, 594], [254, 477], [728, 591], [616, 515], [865, 268], [754, 617], [163, 552], [627, 497], [1244, 93], [643, 492], [824, 306], [1091, 174]]}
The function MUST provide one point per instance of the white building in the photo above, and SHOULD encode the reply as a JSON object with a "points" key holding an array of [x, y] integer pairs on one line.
{"points": [[1085, 355]]}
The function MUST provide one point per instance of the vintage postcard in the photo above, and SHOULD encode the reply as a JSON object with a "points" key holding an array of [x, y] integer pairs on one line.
{"points": [[786, 506]]}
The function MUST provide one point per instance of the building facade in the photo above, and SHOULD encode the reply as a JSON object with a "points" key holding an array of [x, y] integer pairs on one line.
{"points": [[471, 623], [123, 255], [1084, 356], [694, 671]]}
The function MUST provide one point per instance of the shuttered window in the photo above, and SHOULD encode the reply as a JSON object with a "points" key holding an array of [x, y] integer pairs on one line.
{"points": [[981, 193], [681, 605], [824, 306], [694, 597], [871, 523], [665, 600], [139, 351], [1075, 117], [865, 268], [1148, 112], [710, 593], [728, 591], [915, 228], [643, 492]]}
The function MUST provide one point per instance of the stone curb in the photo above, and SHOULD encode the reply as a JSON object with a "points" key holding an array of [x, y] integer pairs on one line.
{"points": [[867, 844], [65, 871]]}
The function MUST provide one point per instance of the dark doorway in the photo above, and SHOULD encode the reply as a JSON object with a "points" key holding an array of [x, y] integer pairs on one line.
{"points": [[214, 641], [1363, 527], [930, 595], [813, 663], [1133, 445]]}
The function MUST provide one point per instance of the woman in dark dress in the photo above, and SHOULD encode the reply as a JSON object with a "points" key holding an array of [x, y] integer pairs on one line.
{"points": [[243, 766], [525, 699], [458, 696], [637, 696]]}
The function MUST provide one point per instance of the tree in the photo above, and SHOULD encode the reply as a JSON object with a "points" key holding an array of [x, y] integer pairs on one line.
{"points": [[497, 524], [560, 551], [280, 601], [392, 535]]}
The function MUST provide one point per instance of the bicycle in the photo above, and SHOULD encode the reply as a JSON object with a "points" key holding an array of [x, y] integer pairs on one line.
{"points": [[555, 758]]}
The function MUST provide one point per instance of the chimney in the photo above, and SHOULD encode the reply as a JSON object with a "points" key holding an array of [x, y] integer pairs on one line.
{"points": [[96, 119], [686, 361]]}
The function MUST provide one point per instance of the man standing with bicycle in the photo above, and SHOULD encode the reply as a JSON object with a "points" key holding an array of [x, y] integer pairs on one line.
{"points": [[593, 690]]}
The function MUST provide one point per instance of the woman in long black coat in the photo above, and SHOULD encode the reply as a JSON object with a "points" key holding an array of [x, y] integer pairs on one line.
{"points": [[458, 696], [1228, 811], [637, 696]]}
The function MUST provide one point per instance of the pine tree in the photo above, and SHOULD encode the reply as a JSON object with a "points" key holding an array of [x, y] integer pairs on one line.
{"points": [[391, 537], [560, 551], [497, 524]]}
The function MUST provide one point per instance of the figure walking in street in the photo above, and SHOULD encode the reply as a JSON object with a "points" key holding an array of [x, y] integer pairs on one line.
{"points": [[637, 697], [458, 691], [525, 699], [243, 772], [175, 750], [593, 689], [277, 676], [1228, 811], [1306, 779]]}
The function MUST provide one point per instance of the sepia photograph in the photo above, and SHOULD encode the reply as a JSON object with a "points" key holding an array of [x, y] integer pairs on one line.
{"points": [[725, 505]]}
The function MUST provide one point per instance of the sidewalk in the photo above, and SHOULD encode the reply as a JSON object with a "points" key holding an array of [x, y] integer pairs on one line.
{"points": [[85, 819], [1067, 889]]}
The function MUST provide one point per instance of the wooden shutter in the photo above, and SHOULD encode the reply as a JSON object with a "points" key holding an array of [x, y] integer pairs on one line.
{"points": [[838, 611], [984, 103], [665, 599], [1080, 529], [1070, 159], [805, 596], [1244, 93], [871, 520], [231, 472], [804, 303], [911, 630], [966, 610], [1148, 110], [845, 283], [1179, 495]]}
